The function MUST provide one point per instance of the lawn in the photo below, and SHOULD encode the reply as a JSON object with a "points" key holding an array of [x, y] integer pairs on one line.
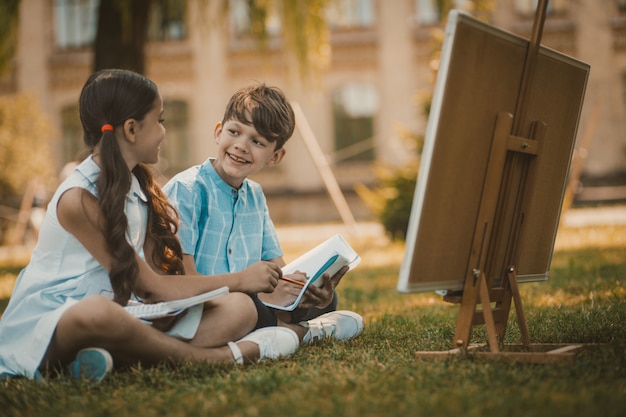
{"points": [[378, 374]]}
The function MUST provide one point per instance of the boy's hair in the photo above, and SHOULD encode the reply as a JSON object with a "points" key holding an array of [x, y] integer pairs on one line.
{"points": [[270, 112]]}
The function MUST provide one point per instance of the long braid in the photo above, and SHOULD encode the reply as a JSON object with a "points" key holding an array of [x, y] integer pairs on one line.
{"points": [[162, 224], [112, 197], [111, 97]]}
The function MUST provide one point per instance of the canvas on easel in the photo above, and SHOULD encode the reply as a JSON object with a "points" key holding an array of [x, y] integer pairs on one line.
{"points": [[495, 161]]}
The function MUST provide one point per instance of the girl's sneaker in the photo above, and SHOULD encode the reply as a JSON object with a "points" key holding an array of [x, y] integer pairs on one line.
{"points": [[91, 364]]}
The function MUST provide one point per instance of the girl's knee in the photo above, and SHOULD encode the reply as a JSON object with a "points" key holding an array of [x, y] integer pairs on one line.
{"points": [[238, 306], [94, 315], [242, 301]]}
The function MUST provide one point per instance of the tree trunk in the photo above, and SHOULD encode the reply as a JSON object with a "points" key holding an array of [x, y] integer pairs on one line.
{"points": [[121, 35]]}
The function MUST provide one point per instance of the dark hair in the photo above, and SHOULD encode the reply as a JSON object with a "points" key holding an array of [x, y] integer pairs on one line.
{"points": [[111, 97], [272, 115]]}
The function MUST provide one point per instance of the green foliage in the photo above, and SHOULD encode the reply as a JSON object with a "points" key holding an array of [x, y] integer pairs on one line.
{"points": [[378, 373], [305, 31], [392, 197], [26, 136]]}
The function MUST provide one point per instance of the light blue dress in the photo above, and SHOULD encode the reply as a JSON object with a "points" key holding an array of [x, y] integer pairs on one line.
{"points": [[61, 272]]}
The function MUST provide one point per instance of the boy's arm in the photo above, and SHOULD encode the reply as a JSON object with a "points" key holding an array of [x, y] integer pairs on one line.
{"points": [[184, 200], [190, 265], [278, 261]]}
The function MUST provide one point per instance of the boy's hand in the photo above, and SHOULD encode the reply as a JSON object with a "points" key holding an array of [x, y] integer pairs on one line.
{"points": [[287, 289], [322, 296]]}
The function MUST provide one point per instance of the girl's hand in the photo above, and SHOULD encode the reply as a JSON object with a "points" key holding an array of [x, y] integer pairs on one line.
{"points": [[322, 296], [260, 277]]}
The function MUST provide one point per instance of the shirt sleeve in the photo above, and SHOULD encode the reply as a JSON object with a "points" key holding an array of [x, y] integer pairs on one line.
{"points": [[183, 198], [271, 244]]}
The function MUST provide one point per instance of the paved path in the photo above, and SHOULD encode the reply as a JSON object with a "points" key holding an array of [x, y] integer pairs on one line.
{"points": [[306, 235], [579, 217]]}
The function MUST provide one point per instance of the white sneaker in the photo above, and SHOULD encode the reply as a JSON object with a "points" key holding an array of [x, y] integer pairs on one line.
{"points": [[340, 325], [274, 342]]}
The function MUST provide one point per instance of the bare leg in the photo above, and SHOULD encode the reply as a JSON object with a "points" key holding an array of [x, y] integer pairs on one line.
{"points": [[300, 330], [224, 320], [284, 320], [99, 322]]}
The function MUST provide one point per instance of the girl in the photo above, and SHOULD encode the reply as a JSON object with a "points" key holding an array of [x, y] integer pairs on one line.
{"points": [[109, 234]]}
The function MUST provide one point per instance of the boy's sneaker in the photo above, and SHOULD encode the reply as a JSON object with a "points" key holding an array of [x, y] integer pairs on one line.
{"points": [[340, 325], [91, 364], [274, 342]]}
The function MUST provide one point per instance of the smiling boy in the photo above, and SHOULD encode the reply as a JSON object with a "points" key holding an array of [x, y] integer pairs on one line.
{"points": [[225, 222]]}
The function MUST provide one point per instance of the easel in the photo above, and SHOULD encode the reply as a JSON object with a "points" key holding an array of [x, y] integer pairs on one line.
{"points": [[510, 180]]}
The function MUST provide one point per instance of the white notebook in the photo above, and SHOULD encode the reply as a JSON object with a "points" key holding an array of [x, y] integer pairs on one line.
{"points": [[327, 257], [171, 308]]}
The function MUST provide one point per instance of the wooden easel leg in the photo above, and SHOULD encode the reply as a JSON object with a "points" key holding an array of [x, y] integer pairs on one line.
{"points": [[519, 310], [488, 314], [475, 294]]}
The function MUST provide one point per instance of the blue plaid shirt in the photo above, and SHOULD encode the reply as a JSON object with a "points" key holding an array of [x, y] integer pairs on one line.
{"points": [[224, 228]]}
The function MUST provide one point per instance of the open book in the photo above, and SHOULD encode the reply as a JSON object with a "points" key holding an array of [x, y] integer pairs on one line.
{"points": [[327, 257], [171, 308]]}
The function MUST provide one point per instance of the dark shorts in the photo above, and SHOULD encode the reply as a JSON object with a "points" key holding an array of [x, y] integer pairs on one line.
{"points": [[267, 316]]}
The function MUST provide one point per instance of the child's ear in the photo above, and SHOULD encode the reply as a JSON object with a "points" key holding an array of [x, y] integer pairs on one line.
{"points": [[217, 132], [130, 127], [276, 157]]}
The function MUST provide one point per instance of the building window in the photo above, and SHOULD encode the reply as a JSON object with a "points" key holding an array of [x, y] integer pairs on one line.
{"points": [[175, 155], [167, 21], [76, 22], [427, 12], [341, 14], [242, 18], [348, 14], [529, 7], [354, 108], [74, 148]]}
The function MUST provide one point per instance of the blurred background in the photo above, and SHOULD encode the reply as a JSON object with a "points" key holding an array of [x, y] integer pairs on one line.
{"points": [[361, 72]]}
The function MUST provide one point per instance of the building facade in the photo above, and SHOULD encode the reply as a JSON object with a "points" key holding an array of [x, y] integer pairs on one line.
{"points": [[359, 110]]}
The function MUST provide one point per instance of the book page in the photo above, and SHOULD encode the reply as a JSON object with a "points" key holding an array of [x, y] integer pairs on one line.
{"points": [[171, 308], [328, 257]]}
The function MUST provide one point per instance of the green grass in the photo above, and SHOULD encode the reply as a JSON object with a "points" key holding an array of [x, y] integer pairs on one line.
{"points": [[378, 374]]}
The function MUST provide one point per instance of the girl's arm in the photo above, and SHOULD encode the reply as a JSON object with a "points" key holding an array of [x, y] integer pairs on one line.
{"points": [[252, 280], [79, 213]]}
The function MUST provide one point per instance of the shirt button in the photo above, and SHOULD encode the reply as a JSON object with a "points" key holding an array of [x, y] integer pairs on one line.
{"points": [[230, 251]]}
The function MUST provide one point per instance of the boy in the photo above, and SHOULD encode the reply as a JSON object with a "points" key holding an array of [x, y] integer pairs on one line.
{"points": [[225, 223]]}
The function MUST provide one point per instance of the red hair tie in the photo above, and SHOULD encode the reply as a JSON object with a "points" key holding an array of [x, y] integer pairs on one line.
{"points": [[106, 127]]}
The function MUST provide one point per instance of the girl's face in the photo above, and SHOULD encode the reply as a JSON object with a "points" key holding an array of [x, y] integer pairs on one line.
{"points": [[242, 151], [149, 133]]}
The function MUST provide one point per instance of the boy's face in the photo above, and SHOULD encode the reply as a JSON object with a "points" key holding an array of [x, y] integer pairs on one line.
{"points": [[242, 151]]}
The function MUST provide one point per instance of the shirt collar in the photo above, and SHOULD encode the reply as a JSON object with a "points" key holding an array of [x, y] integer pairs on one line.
{"points": [[219, 182], [91, 170]]}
